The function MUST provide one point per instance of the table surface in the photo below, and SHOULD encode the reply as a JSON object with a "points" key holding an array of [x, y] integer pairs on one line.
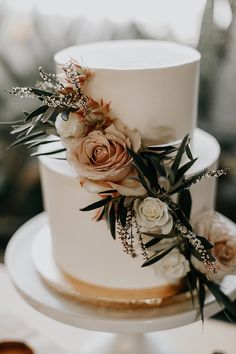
{"points": [[213, 337]]}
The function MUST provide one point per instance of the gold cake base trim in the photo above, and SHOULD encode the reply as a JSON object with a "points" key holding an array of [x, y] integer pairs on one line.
{"points": [[84, 292], [116, 298], [121, 298], [117, 293]]}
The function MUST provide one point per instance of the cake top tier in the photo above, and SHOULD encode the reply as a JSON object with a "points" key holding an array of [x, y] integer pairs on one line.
{"points": [[130, 54], [152, 85]]}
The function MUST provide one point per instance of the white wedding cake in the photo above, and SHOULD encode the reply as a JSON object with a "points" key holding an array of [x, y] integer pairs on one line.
{"points": [[152, 87]]}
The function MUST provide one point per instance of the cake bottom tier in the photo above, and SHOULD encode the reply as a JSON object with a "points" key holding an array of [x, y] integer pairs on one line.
{"points": [[84, 250], [91, 294]]}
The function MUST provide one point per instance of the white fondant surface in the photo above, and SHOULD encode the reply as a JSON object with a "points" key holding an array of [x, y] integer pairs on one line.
{"points": [[130, 54], [152, 85], [84, 248]]}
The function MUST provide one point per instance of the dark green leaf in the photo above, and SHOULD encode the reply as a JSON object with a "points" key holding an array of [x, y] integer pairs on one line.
{"points": [[156, 257], [39, 92], [34, 124], [141, 167], [112, 220], [122, 212], [157, 235], [139, 164], [175, 186], [156, 162], [223, 299], [143, 181], [185, 202], [182, 217], [57, 151], [192, 277], [37, 112], [33, 143], [165, 154], [47, 115], [189, 182], [189, 152], [22, 140], [21, 128], [55, 114], [198, 255], [207, 245], [97, 204], [18, 122], [159, 155], [201, 291], [161, 148], [191, 283], [146, 184], [152, 173], [57, 157], [20, 135], [152, 242], [109, 191], [180, 173], [179, 155]]}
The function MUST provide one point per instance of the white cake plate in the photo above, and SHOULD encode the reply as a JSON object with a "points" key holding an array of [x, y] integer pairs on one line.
{"points": [[130, 324]]}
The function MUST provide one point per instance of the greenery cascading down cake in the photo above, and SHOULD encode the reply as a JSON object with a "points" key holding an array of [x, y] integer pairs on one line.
{"points": [[130, 172]]}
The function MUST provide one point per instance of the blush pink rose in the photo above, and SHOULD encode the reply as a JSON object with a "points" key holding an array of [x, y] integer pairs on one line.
{"points": [[221, 232], [102, 156]]}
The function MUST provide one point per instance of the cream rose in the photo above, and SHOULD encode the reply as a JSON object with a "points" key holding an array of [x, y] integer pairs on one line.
{"points": [[72, 127], [153, 215], [103, 156], [221, 232], [172, 267]]}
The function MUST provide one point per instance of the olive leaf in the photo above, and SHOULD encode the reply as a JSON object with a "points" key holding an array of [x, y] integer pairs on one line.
{"points": [[156, 257], [97, 204]]}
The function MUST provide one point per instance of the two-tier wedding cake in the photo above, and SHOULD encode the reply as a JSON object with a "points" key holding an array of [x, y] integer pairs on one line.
{"points": [[128, 179], [152, 87]]}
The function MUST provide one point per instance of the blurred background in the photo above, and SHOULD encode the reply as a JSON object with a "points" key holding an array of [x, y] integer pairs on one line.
{"points": [[31, 31]]}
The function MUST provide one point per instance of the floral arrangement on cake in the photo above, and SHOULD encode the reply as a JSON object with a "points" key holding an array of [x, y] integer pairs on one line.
{"points": [[142, 191]]}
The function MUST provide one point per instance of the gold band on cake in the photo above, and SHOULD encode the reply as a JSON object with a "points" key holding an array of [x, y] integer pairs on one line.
{"points": [[115, 297], [75, 289], [89, 289]]}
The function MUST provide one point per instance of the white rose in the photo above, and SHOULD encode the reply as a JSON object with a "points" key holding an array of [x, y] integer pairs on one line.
{"points": [[72, 127], [153, 215], [173, 266]]}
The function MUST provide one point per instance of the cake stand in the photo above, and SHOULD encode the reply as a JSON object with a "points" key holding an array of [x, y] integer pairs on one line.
{"points": [[130, 327]]}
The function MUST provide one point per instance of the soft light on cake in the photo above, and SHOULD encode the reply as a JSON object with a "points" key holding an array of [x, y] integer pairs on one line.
{"points": [[152, 86], [126, 169]]}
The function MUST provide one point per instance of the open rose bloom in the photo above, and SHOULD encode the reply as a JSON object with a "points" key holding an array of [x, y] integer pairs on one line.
{"points": [[153, 216], [172, 267], [102, 161], [221, 232]]}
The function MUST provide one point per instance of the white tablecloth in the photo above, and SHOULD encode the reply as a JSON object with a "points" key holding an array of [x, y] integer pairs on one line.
{"points": [[19, 320]]}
